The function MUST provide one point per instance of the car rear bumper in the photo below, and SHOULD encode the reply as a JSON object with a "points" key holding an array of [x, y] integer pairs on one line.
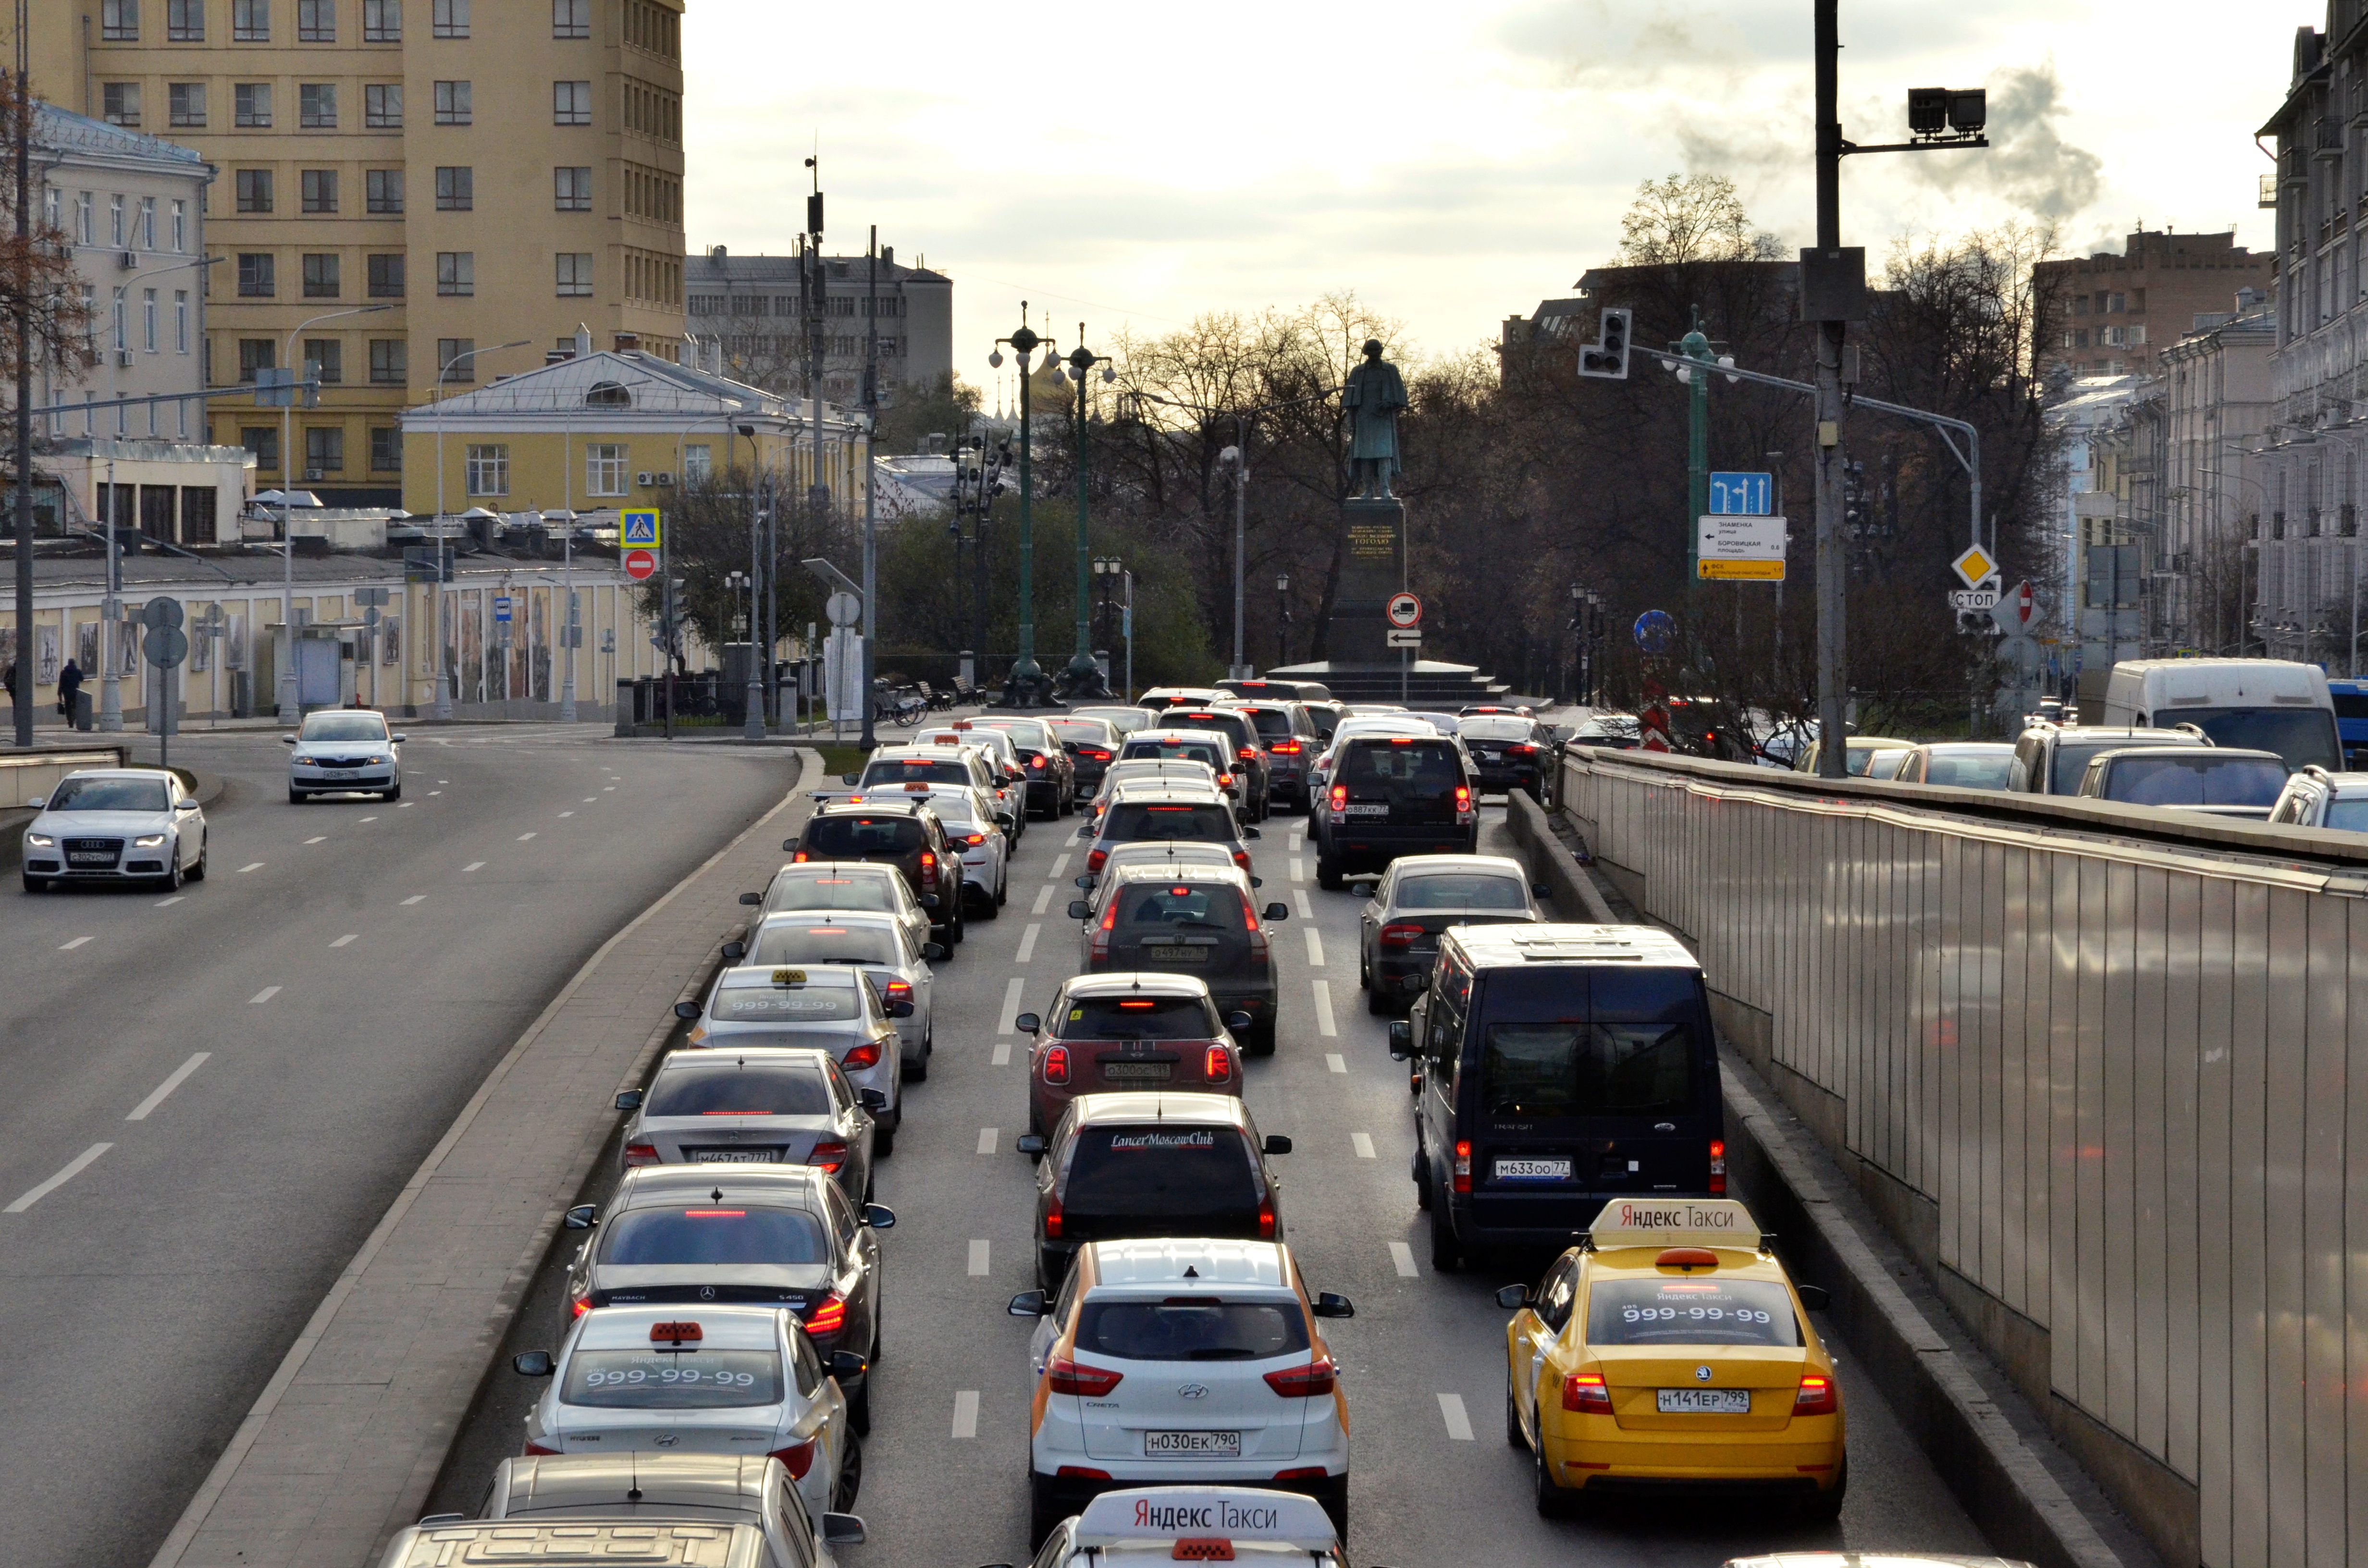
{"points": [[1504, 776], [1495, 1218], [1405, 972], [1357, 844]]}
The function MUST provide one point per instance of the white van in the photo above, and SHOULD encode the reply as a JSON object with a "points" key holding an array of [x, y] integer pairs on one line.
{"points": [[2259, 704]]}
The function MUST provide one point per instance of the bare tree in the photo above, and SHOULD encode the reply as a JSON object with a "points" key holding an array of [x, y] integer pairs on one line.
{"points": [[50, 321], [1684, 218]]}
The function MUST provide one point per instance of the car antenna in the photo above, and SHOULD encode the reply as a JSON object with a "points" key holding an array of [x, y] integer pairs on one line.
{"points": [[1190, 1272], [716, 1195], [633, 1485]]}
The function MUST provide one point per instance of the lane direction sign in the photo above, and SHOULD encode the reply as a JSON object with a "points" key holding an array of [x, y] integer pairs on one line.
{"points": [[1404, 636], [1740, 494]]}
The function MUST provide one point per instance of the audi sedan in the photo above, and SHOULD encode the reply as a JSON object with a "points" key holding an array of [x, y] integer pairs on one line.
{"points": [[116, 824]]}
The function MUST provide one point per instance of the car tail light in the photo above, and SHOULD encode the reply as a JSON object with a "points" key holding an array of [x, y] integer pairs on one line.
{"points": [[1817, 1397], [532, 1448], [928, 867], [1242, 859], [1463, 1166], [1037, 761], [1304, 1382], [800, 859], [1247, 754], [1286, 748], [1094, 860], [641, 1153], [1399, 934], [862, 1056], [1339, 797], [1464, 797], [1096, 753], [1519, 748], [1300, 1472], [1266, 1218], [898, 990], [1052, 1215], [830, 1153], [1217, 1067], [1225, 781], [1718, 1164], [973, 839], [798, 1458], [1092, 1382], [1585, 1392], [1082, 1472], [1056, 1065], [828, 1316], [579, 1306]]}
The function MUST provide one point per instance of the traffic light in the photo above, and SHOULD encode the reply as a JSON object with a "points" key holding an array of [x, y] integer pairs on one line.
{"points": [[1606, 357]]}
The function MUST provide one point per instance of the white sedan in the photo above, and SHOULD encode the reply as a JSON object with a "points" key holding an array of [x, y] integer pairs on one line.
{"points": [[115, 825], [344, 750]]}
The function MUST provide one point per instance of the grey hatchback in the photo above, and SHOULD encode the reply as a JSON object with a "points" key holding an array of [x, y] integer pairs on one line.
{"points": [[1187, 919]]}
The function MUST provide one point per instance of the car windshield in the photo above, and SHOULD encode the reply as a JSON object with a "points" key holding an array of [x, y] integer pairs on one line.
{"points": [[917, 770], [1968, 771], [1690, 1311], [1576, 1069], [672, 1379], [1460, 890], [1026, 732], [766, 1089], [784, 1005], [2348, 816], [1231, 725], [832, 892], [109, 795], [2190, 780], [796, 943], [853, 836], [1209, 823], [1169, 1170], [654, 1238], [1486, 728], [1136, 1018], [343, 727], [1214, 906], [2301, 735], [1185, 1328]]}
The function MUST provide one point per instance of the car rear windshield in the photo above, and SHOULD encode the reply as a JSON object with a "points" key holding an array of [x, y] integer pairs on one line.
{"points": [[1578, 1069], [865, 836], [1974, 770], [1210, 823], [1203, 905], [799, 943], [1186, 1328], [1420, 768], [1230, 724], [832, 892], [2301, 735], [2348, 816], [1274, 723], [653, 1238], [1460, 890], [1690, 1311], [784, 1005], [1085, 732], [1170, 751], [109, 795], [673, 1379], [2072, 762], [1136, 1017], [1169, 1170], [770, 1089], [1483, 727], [1027, 733], [2195, 781], [343, 727], [2351, 704], [917, 770]]}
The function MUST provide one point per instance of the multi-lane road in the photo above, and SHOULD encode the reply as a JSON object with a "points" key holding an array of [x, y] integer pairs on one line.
{"points": [[211, 1098], [1432, 1479]]}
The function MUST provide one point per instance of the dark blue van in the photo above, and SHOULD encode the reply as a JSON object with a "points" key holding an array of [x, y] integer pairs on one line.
{"points": [[1558, 1067], [2351, 720]]}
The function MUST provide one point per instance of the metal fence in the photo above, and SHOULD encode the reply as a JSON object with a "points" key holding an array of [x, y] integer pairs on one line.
{"points": [[2125, 1081]]}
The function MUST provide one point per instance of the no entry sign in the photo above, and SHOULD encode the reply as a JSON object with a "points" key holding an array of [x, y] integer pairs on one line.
{"points": [[640, 564]]}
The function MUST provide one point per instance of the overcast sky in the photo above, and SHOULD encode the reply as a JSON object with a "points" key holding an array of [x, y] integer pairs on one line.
{"points": [[1451, 164]]}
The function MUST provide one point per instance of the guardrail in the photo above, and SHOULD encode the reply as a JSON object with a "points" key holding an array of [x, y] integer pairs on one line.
{"points": [[2103, 1071]]}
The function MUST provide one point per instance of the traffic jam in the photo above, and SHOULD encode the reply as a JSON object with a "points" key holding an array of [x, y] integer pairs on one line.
{"points": [[705, 1385]]}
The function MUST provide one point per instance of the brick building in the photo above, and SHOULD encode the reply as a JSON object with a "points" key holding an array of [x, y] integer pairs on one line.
{"points": [[2118, 312]]}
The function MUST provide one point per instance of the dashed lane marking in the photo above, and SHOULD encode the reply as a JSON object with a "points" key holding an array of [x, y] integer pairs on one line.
{"points": [[70, 947], [1002, 1057], [435, 791], [1007, 1023], [1298, 870], [986, 1137], [348, 936], [1335, 1063], [1060, 868], [1298, 840], [590, 799], [318, 838], [415, 898], [1306, 910], [977, 1259], [1314, 948], [373, 817], [1459, 1423], [180, 1075], [966, 1414], [266, 994], [1028, 943], [169, 903], [1402, 1255], [1324, 1025], [567, 814], [1364, 1144], [74, 1168], [250, 866], [524, 837], [404, 805], [1043, 898], [473, 865]]}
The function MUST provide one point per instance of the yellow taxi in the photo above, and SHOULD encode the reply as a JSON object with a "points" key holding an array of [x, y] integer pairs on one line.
{"points": [[1669, 1348]]}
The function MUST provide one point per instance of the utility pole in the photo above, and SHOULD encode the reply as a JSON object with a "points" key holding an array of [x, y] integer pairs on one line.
{"points": [[817, 323], [1084, 674], [1833, 671], [20, 697], [870, 490]]}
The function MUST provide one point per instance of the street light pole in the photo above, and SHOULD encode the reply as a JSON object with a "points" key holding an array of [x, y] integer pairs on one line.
{"points": [[1282, 620], [20, 663], [752, 719], [1241, 670], [1085, 675], [443, 686], [1024, 688]]}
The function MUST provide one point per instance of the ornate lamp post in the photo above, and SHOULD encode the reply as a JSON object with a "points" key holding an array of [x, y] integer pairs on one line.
{"points": [[1025, 689], [1282, 620], [1084, 674]]}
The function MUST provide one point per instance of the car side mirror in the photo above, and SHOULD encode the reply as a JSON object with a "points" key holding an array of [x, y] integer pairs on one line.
{"points": [[788, 845], [734, 951], [872, 1101], [842, 1529], [929, 901], [900, 1008], [933, 951], [1541, 889], [1032, 1143], [1080, 910], [1817, 1297], [1513, 1298], [1276, 1143], [37, 803], [1238, 1021], [630, 1100], [186, 805], [1250, 833], [1401, 1040], [686, 1009], [880, 1217], [583, 1217], [848, 777], [752, 898], [531, 1364], [287, 740], [1086, 881], [845, 1364], [1258, 881], [1331, 1305], [1028, 1304], [398, 740], [1026, 1023], [1278, 912]]}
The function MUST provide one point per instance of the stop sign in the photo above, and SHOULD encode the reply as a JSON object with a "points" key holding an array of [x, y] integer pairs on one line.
{"points": [[640, 564]]}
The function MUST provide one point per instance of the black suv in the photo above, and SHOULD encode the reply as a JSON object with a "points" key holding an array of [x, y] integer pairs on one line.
{"points": [[907, 837], [1250, 751], [1392, 795], [1511, 752], [1288, 733]]}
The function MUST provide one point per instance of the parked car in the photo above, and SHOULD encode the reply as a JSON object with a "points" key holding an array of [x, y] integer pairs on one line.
{"points": [[115, 825], [2316, 797], [905, 834], [2215, 780], [1394, 795], [1138, 1029], [1420, 896], [1191, 919]]}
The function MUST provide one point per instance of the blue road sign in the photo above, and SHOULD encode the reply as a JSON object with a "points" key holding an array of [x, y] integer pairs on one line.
{"points": [[1655, 632], [637, 528], [1739, 495], [501, 606]]}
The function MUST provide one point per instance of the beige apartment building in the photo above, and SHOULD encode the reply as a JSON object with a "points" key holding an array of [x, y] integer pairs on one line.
{"points": [[470, 175], [2116, 314]]}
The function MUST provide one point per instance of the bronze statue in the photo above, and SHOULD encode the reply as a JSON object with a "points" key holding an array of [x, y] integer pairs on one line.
{"points": [[1372, 400]]}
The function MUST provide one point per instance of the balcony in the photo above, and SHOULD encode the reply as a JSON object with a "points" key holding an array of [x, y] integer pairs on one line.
{"points": [[2268, 192]]}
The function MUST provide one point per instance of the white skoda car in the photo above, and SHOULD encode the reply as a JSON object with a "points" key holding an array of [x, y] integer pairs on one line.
{"points": [[346, 750]]}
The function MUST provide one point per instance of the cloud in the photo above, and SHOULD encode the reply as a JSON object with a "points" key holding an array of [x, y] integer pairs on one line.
{"points": [[2028, 164]]}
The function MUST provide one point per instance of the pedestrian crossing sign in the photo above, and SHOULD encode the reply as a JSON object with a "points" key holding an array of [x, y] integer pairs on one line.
{"points": [[637, 528]]}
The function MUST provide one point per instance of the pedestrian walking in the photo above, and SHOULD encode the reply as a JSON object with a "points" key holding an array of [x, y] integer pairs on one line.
{"points": [[69, 688]]}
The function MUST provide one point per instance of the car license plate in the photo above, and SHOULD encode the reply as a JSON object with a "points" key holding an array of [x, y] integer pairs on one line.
{"points": [[1192, 1445], [90, 859], [1137, 1071], [341, 773], [733, 1157], [1705, 1402], [1175, 955], [1533, 1170], [1380, 810]]}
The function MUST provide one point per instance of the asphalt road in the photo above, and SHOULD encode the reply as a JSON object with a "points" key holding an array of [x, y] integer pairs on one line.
{"points": [[1432, 1480], [236, 1082]]}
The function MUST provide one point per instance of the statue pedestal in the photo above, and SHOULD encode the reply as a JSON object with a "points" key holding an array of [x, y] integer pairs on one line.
{"points": [[1372, 568]]}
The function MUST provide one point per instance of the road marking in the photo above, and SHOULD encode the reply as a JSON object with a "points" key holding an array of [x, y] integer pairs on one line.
{"points": [[1306, 910], [966, 1414], [1002, 1057], [473, 865], [348, 936], [250, 866], [70, 947], [435, 791], [266, 994], [74, 1168], [524, 837], [415, 898], [567, 814], [169, 903], [1298, 870], [180, 1075], [977, 1259], [370, 818], [318, 838], [1335, 1063], [588, 800], [608, 788], [1364, 1144], [1314, 948], [1324, 1025], [1060, 865], [1007, 1023], [986, 1137], [404, 805], [1403, 1256], [1298, 840], [1028, 942], [1458, 1424], [443, 781], [1043, 898]]}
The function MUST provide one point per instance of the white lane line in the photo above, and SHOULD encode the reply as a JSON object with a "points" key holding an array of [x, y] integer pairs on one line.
{"points": [[180, 1075], [1306, 910], [977, 1259], [435, 791], [1402, 1255], [1002, 1057], [608, 788], [524, 837], [1335, 1063], [250, 866], [373, 817], [1298, 870], [348, 936], [1314, 948], [588, 800], [1298, 840], [415, 898], [473, 865], [1324, 1025], [1043, 898], [70, 947], [1028, 942], [74, 1168], [966, 1414], [986, 1137], [1060, 868], [1459, 1423], [318, 837], [1005, 1024], [169, 903], [567, 814], [404, 805], [266, 994], [1364, 1144]]}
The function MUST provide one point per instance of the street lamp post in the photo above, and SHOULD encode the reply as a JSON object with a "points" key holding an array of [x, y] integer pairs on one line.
{"points": [[443, 686], [1025, 687], [1282, 619], [1084, 674], [752, 721]]}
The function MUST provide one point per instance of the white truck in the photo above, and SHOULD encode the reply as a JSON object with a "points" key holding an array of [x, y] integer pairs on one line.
{"points": [[2258, 704]]}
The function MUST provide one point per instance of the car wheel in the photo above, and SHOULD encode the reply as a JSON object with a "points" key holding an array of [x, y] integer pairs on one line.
{"points": [[859, 1409], [989, 907], [1826, 1505], [1421, 1181], [1003, 887], [1446, 1252], [174, 875], [1334, 1495], [395, 793], [295, 796], [1262, 1040], [1327, 873], [883, 1144], [1553, 1502], [1514, 1437], [1379, 1004], [918, 1072], [198, 868], [850, 1473], [36, 884]]}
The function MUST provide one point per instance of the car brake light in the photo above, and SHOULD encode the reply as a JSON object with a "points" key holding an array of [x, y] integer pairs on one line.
{"points": [[973, 839], [641, 1153], [1068, 1376], [1464, 797], [1056, 1065], [1082, 1472], [1266, 1218], [800, 857], [829, 1315], [1718, 1164], [862, 1056], [798, 1458], [898, 990], [1463, 1166], [1286, 748], [928, 867], [1585, 1392], [828, 1156], [1037, 761], [1304, 1382], [1094, 861], [1219, 1066], [1052, 1215], [1225, 781], [1519, 748], [579, 1306], [1249, 916], [1242, 859], [1339, 797], [533, 1449], [1399, 934], [1096, 753], [1818, 1396], [1246, 754]]}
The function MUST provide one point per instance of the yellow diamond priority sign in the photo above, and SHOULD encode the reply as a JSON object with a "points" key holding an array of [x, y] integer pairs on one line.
{"points": [[1975, 566]]}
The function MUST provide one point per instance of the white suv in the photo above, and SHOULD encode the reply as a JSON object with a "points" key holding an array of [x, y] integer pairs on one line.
{"points": [[1183, 1362], [2318, 798]]}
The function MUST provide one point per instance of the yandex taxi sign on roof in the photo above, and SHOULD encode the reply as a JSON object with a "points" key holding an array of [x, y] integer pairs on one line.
{"points": [[1200, 1512], [1675, 1221]]}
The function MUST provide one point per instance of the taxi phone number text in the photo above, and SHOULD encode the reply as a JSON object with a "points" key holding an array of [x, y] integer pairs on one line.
{"points": [[685, 1375], [1694, 1314]]}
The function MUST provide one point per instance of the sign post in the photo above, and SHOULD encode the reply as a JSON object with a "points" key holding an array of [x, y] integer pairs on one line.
{"points": [[164, 645], [1404, 613]]}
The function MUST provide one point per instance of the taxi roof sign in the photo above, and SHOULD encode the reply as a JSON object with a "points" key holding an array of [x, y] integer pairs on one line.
{"points": [[788, 977], [1204, 1512], [1670, 1221]]}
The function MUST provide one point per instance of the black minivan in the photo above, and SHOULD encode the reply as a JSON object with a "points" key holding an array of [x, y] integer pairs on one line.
{"points": [[1558, 1067]]}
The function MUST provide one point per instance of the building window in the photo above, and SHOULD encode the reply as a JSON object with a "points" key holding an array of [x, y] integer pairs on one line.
{"points": [[250, 21], [604, 468], [382, 190], [257, 275], [316, 104], [254, 190], [386, 277], [571, 103], [180, 321], [319, 189], [386, 450], [52, 207], [256, 353], [316, 21], [328, 356], [184, 21], [119, 20], [489, 470], [251, 105], [115, 222], [263, 440], [451, 19], [83, 201], [321, 274], [574, 274], [390, 361], [381, 21], [180, 228], [456, 358], [382, 106], [698, 464], [148, 320], [117, 318], [146, 232], [456, 191], [571, 18], [324, 449], [453, 104], [456, 272], [119, 102], [571, 190]]}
